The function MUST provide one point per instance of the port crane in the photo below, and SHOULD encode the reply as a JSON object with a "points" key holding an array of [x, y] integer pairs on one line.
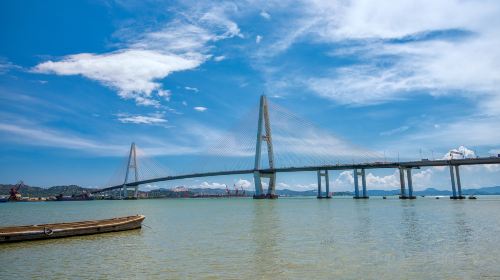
{"points": [[14, 191]]}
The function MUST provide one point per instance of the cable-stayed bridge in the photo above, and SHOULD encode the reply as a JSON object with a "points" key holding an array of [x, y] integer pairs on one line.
{"points": [[282, 142]]}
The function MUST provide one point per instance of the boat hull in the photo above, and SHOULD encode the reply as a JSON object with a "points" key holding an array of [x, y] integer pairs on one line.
{"points": [[49, 231]]}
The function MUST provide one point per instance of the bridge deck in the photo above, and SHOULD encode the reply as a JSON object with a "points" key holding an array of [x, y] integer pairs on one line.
{"points": [[374, 165]]}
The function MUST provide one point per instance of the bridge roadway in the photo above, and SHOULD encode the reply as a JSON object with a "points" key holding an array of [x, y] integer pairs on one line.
{"points": [[374, 165]]}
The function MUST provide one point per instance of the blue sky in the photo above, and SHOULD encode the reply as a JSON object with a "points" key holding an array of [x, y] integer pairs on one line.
{"points": [[81, 80]]}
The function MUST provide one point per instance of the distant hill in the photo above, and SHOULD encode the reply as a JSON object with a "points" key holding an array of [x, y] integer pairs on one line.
{"points": [[484, 191], [44, 192], [74, 189]]}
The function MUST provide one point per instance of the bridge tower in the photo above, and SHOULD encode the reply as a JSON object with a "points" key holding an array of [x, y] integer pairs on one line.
{"points": [[131, 164], [264, 135]]}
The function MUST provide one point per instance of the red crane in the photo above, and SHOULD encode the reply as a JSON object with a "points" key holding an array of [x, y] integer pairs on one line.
{"points": [[14, 191]]}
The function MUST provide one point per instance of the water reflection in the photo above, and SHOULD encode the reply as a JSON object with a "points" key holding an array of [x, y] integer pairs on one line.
{"points": [[464, 232], [362, 222], [265, 234], [412, 231], [410, 220]]}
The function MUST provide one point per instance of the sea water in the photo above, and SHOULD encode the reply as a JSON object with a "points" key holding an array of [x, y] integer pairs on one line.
{"points": [[287, 238]]}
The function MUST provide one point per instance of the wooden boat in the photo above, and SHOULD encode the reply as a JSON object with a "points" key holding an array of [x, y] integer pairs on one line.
{"points": [[48, 231]]}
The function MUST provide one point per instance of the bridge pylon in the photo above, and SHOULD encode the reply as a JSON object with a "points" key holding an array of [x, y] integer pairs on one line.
{"points": [[131, 165], [264, 135]]}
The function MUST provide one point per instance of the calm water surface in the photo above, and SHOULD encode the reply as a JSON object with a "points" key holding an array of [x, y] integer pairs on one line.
{"points": [[294, 238]]}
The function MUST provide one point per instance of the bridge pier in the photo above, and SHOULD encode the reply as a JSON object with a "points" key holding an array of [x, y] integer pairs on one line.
{"points": [[259, 192], [452, 177], [327, 184], [363, 182], [459, 184], [410, 184], [356, 174], [403, 194], [356, 187], [271, 189], [124, 192]]}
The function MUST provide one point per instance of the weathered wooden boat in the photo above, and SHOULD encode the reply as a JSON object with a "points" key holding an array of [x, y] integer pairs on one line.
{"points": [[48, 231]]}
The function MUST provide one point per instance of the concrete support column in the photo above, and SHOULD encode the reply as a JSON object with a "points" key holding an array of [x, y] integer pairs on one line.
{"points": [[136, 191], [452, 176], [327, 185], [258, 185], [363, 182], [402, 182], [356, 187], [410, 184], [459, 184], [271, 190], [319, 184], [124, 193]]}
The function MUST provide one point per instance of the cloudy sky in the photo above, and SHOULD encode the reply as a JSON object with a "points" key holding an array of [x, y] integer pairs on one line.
{"points": [[348, 80]]}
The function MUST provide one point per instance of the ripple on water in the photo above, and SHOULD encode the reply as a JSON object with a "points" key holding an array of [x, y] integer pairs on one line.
{"points": [[243, 238]]}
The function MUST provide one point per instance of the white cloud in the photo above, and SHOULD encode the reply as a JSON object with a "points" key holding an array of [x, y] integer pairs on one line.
{"points": [[136, 70], [401, 50], [395, 63], [192, 89], [219, 58], [156, 118], [363, 84], [382, 182], [242, 183], [214, 185], [166, 94], [200, 108], [344, 180], [460, 153], [282, 185], [6, 65], [258, 38], [492, 167], [131, 72], [367, 19], [265, 15], [421, 179]]}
